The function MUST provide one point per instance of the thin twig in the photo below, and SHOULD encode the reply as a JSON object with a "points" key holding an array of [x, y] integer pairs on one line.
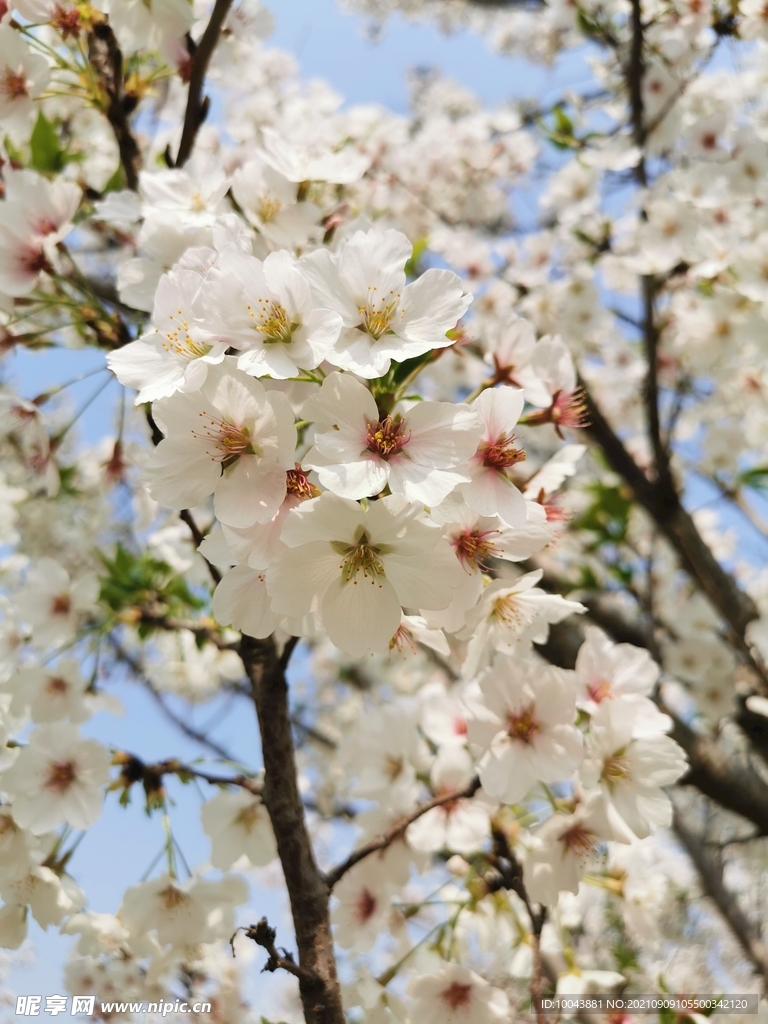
{"points": [[133, 769], [279, 959], [381, 842]]}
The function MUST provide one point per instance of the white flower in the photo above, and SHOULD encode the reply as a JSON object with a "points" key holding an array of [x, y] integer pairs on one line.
{"points": [[15, 846], [164, 241], [268, 200], [57, 777], [359, 567], [491, 491], [524, 727], [364, 897], [461, 825], [510, 615], [266, 310], [554, 367], [477, 540], [53, 604], [605, 670], [579, 983], [232, 439], [238, 824], [382, 755], [300, 162], [50, 694], [510, 351], [444, 713], [42, 207], [13, 925], [241, 600], [563, 848], [631, 762], [175, 356], [183, 914], [384, 318], [456, 995], [23, 76], [419, 451], [196, 199], [554, 471], [99, 933], [49, 897]]}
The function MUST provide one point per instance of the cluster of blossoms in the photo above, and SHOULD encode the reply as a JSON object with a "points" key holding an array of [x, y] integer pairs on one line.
{"points": [[357, 385]]}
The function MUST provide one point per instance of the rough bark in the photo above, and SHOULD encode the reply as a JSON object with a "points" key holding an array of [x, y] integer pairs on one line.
{"points": [[307, 890], [107, 61]]}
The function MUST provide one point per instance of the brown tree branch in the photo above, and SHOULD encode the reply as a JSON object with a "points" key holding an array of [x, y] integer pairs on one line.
{"points": [[107, 61], [710, 869], [279, 959], [133, 770], [734, 785], [511, 877], [308, 893], [381, 842], [197, 105], [661, 501]]}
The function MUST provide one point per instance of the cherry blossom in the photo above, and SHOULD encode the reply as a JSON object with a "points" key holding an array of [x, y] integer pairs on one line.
{"points": [[417, 451], [358, 567], [491, 492], [57, 777], [176, 354], [384, 318], [238, 824], [266, 310], [456, 994], [232, 439], [524, 728]]}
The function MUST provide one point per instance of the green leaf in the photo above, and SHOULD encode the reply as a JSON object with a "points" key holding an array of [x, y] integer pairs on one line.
{"points": [[117, 182], [608, 515], [757, 478], [136, 580], [47, 155], [413, 267], [560, 134], [14, 153]]}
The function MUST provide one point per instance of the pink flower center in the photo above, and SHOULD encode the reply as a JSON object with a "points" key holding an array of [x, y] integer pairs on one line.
{"points": [[66, 21], [13, 84], [579, 840], [522, 725], [501, 453], [473, 549], [229, 441], [568, 409], [57, 684], [366, 906], [61, 604], [598, 690], [386, 437], [298, 484], [457, 994], [32, 260], [401, 640], [61, 775]]}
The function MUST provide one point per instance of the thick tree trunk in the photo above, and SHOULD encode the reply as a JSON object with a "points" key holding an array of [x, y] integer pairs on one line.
{"points": [[307, 890]]}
